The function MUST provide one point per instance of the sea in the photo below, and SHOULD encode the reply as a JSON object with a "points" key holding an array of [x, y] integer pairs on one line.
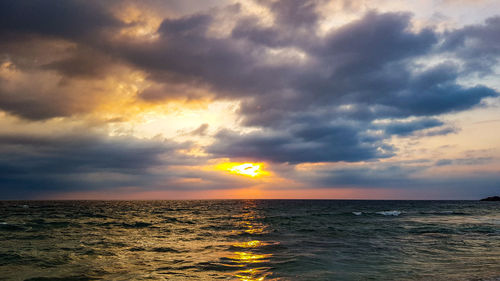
{"points": [[249, 240]]}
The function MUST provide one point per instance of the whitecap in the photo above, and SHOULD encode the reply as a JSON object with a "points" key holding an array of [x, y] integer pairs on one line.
{"points": [[357, 213], [389, 213]]}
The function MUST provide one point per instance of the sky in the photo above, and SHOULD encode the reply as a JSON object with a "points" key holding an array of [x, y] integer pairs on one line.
{"points": [[192, 99]]}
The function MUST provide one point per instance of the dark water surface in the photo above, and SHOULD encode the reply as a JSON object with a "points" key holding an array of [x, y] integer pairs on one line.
{"points": [[250, 240]]}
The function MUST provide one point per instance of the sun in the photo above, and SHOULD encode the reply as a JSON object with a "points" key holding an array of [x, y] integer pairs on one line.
{"points": [[245, 169]]}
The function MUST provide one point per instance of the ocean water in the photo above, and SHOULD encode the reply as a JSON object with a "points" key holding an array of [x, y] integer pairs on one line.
{"points": [[250, 240]]}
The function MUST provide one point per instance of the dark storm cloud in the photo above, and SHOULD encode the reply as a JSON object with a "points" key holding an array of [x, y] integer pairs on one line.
{"points": [[304, 144], [270, 36], [295, 13], [38, 95], [309, 139], [366, 64], [32, 166], [477, 45], [295, 24], [407, 128], [36, 164], [375, 40], [39, 38], [186, 54], [61, 18], [83, 62]]}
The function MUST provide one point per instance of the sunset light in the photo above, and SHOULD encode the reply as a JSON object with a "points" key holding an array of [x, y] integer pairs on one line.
{"points": [[244, 169]]}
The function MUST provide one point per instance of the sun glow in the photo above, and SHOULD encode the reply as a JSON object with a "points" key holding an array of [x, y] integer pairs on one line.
{"points": [[244, 169]]}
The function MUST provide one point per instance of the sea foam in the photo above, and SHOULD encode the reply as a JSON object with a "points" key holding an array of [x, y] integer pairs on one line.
{"points": [[389, 213]]}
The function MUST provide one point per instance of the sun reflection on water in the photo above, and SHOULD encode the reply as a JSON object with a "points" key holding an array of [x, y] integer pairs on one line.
{"points": [[253, 274], [250, 258], [244, 257], [250, 255], [249, 244]]}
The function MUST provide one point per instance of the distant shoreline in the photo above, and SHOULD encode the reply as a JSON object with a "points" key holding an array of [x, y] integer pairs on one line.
{"points": [[491, 198]]}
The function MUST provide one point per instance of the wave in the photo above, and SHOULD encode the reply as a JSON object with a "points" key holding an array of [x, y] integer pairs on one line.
{"points": [[389, 213], [137, 225], [397, 213], [165, 250], [443, 213], [137, 249], [385, 213], [69, 278], [11, 227]]}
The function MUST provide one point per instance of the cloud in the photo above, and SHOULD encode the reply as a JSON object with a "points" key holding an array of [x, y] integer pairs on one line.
{"points": [[294, 23], [477, 45], [295, 13], [34, 164], [83, 62], [465, 161], [421, 176], [323, 140], [52, 63], [200, 131], [37, 165], [37, 94], [305, 95], [366, 63], [60, 18], [409, 127], [302, 144], [362, 72]]}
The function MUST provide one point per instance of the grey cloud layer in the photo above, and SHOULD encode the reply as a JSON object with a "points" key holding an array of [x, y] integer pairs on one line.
{"points": [[32, 165], [477, 45], [35, 166], [415, 176], [303, 143]]}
